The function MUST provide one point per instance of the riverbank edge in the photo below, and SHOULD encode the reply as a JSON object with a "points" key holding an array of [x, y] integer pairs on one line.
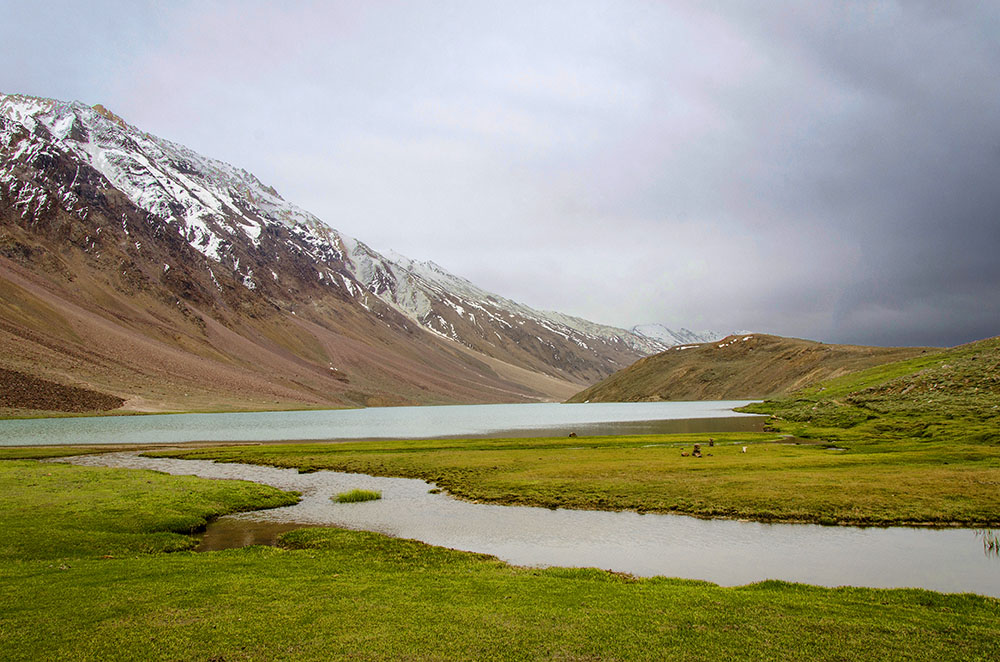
{"points": [[370, 596], [173, 451], [817, 520]]}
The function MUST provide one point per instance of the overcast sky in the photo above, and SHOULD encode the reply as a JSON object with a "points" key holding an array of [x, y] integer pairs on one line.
{"points": [[827, 170]]}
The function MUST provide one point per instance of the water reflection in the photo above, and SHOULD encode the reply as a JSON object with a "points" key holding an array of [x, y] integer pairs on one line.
{"points": [[991, 542], [231, 533]]}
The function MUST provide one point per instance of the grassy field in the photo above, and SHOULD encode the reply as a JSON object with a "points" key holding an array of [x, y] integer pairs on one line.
{"points": [[334, 594], [50, 510], [951, 396], [911, 482], [93, 567]]}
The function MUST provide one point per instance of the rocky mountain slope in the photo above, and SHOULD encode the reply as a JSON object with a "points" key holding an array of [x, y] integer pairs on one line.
{"points": [[134, 267], [738, 366]]}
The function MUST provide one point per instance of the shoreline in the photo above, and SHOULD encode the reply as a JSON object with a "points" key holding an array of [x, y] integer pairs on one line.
{"points": [[566, 537], [180, 449]]}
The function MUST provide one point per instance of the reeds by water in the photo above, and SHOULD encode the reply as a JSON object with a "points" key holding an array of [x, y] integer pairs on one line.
{"points": [[991, 542], [356, 495]]}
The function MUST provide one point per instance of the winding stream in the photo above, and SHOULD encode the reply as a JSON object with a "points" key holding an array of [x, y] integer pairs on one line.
{"points": [[726, 552]]}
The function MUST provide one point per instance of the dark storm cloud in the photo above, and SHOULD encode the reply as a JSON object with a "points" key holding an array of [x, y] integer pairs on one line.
{"points": [[876, 126], [912, 174], [819, 169]]}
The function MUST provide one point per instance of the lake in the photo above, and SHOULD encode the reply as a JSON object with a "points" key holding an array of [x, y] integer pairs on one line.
{"points": [[726, 552], [511, 420], [722, 551]]}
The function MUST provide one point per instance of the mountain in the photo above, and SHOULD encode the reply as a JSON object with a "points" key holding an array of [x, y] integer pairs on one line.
{"points": [[737, 367], [453, 308], [683, 336], [137, 269]]}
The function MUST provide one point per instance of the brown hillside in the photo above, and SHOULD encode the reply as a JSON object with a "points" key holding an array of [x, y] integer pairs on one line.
{"points": [[149, 278], [21, 391], [84, 335], [743, 366]]}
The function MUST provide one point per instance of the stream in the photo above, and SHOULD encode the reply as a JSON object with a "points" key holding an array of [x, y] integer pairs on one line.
{"points": [[726, 552]]}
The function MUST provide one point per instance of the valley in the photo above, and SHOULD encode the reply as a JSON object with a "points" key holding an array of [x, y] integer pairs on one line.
{"points": [[137, 276], [446, 331]]}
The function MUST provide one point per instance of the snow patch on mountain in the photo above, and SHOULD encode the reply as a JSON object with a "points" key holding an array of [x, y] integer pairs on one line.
{"points": [[217, 207], [209, 199], [682, 336]]}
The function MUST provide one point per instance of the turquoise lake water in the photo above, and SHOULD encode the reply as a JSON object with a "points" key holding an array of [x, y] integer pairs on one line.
{"points": [[542, 419]]}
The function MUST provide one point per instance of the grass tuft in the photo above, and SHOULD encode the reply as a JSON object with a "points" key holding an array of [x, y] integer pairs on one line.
{"points": [[355, 496]]}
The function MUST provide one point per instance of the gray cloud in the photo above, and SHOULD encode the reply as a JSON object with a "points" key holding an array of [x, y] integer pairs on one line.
{"points": [[826, 170]]}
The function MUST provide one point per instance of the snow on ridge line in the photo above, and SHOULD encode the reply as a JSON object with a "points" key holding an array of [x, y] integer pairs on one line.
{"points": [[558, 323], [416, 284], [212, 200], [682, 336], [158, 175]]}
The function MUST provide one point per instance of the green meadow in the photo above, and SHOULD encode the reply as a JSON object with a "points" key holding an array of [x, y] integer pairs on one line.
{"points": [[951, 396], [903, 482], [82, 578], [95, 564]]}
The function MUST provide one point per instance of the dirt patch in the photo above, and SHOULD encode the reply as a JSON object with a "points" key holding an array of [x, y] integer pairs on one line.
{"points": [[21, 391]]}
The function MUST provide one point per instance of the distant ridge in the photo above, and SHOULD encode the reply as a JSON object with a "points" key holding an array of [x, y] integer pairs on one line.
{"points": [[736, 367], [682, 336]]}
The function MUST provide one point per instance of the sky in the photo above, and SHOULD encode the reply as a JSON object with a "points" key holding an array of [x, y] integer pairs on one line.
{"points": [[826, 169]]}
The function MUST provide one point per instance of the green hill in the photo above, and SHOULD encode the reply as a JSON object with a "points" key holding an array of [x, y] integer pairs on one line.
{"points": [[950, 394], [742, 366]]}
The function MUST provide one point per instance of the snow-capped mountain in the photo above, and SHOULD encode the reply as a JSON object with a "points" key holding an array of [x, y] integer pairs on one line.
{"points": [[454, 308], [682, 336], [217, 242]]}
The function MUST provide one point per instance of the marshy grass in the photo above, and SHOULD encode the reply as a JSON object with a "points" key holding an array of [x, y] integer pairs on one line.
{"points": [[991, 542], [354, 496], [84, 575], [933, 482]]}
